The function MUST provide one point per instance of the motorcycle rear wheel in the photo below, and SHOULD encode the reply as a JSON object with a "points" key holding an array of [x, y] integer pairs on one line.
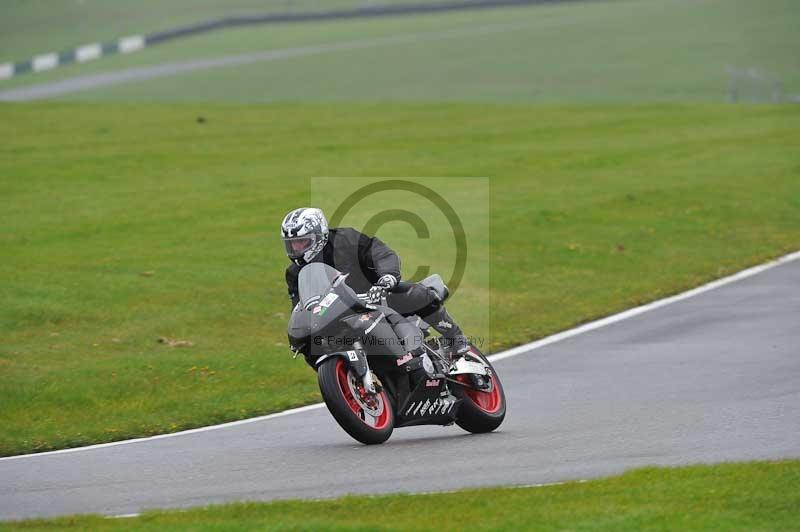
{"points": [[480, 411], [337, 382]]}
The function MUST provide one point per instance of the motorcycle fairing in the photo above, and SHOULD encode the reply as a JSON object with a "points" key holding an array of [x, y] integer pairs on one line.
{"points": [[324, 298], [430, 403], [377, 335]]}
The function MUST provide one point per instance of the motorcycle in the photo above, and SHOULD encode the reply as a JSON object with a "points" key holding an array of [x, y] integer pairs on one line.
{"points": [[378, 370]]}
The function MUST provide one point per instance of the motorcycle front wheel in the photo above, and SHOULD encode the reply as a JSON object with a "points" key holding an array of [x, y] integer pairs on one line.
{"points": [[366, 417]]}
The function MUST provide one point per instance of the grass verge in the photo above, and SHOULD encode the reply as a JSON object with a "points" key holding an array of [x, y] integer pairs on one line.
{"points": [[747, 496], [125, 223], [618, 51]]}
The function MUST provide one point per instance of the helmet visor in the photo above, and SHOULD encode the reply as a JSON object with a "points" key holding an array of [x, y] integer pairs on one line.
{"points": [[296, 246]]}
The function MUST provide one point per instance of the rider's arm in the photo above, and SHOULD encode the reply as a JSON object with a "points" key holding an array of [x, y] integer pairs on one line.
{"points": [[291, 283], [376, 255]]}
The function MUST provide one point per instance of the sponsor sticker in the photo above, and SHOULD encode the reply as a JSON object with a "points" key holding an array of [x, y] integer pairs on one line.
{"points": [[430, 383], [365, 317], [404, 359], [328, 300], [316, 310], [352, 355]]}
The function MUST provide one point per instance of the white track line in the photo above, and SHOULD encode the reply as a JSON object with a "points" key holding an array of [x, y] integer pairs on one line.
{"points": [[158, 437], [531, 346]]}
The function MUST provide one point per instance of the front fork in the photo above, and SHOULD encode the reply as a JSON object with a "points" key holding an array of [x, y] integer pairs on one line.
{"points": [[357, 358]]}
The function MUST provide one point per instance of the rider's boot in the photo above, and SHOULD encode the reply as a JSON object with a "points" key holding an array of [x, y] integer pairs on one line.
{"points": [[453, 341], [455, 347]]}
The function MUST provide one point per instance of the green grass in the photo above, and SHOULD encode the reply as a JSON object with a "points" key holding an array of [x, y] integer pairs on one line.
{"points": [[748, 496], [628, 51], [593, 209]]}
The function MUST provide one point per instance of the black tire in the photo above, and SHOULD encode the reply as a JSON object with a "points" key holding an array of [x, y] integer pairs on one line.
{"points": [[329, 374], [471, 416]]}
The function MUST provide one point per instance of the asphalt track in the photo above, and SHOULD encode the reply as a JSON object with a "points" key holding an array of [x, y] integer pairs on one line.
{"points": [[715, 377]]}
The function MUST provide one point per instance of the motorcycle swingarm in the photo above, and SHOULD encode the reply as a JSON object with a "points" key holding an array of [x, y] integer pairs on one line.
{"points": [[469, 385]]}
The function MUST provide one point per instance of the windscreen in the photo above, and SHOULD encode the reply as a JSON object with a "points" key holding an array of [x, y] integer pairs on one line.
{"points": [[315, 280]]}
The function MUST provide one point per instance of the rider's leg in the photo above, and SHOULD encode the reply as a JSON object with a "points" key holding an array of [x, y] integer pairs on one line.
{"points": [[420, 300], [453, 338]]}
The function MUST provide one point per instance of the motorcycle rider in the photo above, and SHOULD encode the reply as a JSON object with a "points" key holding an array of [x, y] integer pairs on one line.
{"points": [[373, 268]]}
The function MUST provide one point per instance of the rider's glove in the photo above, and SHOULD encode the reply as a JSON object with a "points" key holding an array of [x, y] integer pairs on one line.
{"points": [[379, 289]]}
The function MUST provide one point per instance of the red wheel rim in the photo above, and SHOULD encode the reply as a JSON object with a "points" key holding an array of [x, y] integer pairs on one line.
{"points": [[490, 402], [342, 376]]}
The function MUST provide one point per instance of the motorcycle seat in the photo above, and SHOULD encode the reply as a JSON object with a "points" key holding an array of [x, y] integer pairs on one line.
{"points": [[436, 284]]}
